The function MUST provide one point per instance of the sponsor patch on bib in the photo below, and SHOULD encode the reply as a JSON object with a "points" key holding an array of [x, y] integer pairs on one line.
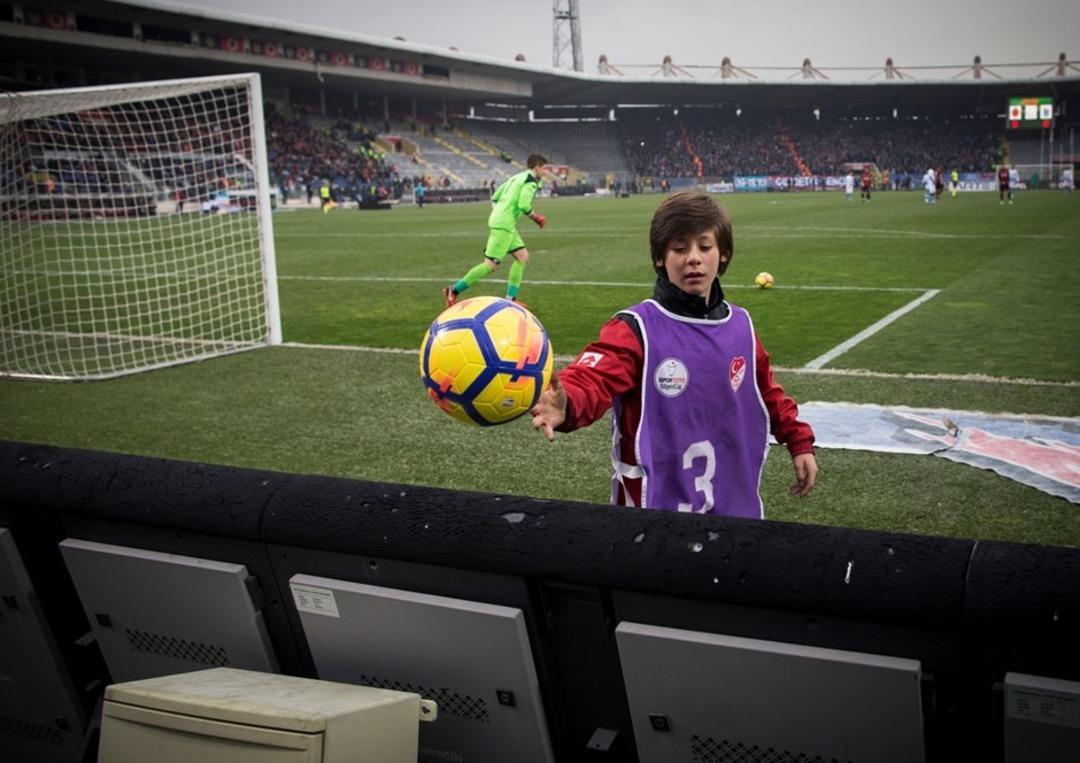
{"points": [[671, 377]]}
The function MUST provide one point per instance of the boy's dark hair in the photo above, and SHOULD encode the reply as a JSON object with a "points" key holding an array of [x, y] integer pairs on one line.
{"points": [[536, 160], [685, 214]]}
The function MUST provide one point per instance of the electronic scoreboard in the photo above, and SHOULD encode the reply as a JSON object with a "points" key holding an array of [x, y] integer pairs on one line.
{"points": [[1030, 113]]}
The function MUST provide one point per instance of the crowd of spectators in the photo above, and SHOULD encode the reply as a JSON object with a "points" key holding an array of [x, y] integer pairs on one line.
{"points": [[304, 153], [187, 156], [908, 146], [667, 147]]}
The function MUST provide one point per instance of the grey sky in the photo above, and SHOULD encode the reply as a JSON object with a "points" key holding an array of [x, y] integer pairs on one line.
{"points": [[757, 33]]}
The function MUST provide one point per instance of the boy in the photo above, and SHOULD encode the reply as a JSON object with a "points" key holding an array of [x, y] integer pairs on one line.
{"points": [[689, 384], [849, 186], [510, 201]]}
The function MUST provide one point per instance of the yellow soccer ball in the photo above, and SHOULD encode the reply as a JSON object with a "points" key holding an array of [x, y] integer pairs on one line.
{"points": [[485, 361], [764, 280]]}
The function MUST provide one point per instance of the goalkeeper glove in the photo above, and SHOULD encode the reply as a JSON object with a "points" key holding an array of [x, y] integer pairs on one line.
{"points": [[539, 219]]}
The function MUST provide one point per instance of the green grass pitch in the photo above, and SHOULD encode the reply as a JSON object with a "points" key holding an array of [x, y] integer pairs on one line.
{"points": [[1006, 310]]}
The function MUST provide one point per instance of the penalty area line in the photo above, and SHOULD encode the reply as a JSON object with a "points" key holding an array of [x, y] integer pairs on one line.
{"points": [[872, 329], [855, 372]]}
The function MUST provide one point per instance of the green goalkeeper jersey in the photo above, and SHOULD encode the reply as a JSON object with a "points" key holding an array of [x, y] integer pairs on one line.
{"points": [[513, 199]]}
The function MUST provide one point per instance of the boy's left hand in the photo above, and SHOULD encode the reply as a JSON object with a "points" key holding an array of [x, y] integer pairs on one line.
{"points": [[805, 474]]}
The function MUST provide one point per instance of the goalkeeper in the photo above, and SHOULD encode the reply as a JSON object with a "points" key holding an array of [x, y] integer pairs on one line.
{"points": [[511, 200]]}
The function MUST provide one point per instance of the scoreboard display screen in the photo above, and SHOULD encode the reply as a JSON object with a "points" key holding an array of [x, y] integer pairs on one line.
{"points": [[1030, 113]]}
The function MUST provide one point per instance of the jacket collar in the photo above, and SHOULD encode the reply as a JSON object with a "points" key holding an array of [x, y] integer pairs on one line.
{"points": [[687, 305]]}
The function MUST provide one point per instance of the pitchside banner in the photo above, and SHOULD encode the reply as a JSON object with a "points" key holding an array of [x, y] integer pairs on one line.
{"points": [[787, 182], [1042, 452], [978, 181], [751, 183]]}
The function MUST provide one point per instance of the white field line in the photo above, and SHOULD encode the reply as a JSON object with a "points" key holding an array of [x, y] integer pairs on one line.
{"points": [[872, 329], [853, 372], [621, 284], [890, 232], [758, 231]]}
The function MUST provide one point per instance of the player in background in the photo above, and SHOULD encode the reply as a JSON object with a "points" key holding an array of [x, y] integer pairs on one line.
{"points": [[864, 184], [1014, 181], [954, 182], [325, 198], [929, 187], [939, 183], [849, 186], [689, 384], [1003, 184], [1065, 183], [510, 201]]}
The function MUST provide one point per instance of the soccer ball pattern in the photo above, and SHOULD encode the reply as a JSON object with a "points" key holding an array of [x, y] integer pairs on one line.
{"points": [[485, 360], [764, 280]]}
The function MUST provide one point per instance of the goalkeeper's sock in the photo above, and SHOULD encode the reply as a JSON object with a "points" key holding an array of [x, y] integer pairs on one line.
{"points": [[517, 273], [470, 278]]}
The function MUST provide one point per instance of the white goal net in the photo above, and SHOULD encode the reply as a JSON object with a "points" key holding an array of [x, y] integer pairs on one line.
{"points": [[135, 227]]}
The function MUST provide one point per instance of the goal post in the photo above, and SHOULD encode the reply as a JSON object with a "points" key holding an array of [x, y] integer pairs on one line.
{"points": [[135, 227]]}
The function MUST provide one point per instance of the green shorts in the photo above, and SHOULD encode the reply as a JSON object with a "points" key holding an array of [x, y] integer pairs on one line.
{"points": [[501, 243]]}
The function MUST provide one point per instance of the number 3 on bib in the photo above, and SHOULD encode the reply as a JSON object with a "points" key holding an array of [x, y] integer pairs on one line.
{"points": [[703, 478]]}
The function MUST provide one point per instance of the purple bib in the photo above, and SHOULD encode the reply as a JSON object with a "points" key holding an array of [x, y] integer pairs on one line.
{"points": [[703, 435]]}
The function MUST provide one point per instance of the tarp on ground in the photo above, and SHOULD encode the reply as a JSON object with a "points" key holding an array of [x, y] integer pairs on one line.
{"points": [[1042, 452]]}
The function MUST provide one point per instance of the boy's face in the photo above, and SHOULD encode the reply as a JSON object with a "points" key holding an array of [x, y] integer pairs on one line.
{"points": [[692, 262]]}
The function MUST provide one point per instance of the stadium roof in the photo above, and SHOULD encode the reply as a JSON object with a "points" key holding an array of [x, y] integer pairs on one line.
{"points": [[978, 97], [471, 77]]}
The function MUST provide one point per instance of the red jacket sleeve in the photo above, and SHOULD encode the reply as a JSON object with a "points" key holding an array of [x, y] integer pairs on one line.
{"points": [[783, 411], [602, 372]]}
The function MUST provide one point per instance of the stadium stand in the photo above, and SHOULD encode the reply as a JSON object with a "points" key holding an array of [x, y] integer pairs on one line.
{"points": [[444, 155], [304, 150], [591, 148], [667, 146]]}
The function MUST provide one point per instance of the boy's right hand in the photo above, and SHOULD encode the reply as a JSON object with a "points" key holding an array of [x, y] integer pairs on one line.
{"points": [[550, 410], [539, 219]]}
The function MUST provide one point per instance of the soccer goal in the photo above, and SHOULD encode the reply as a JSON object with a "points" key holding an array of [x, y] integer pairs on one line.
{"points": [[1047, 175], [135, 227]]}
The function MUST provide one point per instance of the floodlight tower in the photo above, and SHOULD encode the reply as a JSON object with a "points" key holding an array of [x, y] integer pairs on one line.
{"points": [[564, 12]]}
